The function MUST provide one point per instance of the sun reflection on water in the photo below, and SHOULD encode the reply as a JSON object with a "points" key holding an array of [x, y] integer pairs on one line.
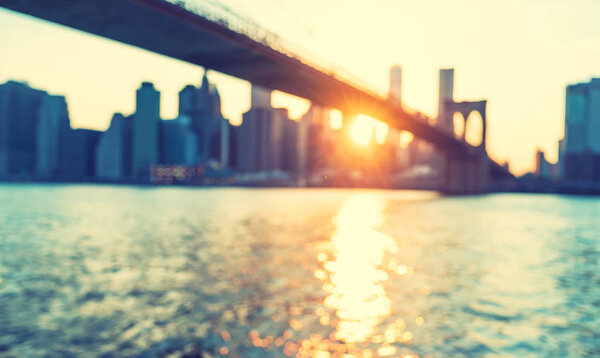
{"points": [[355, 273]]}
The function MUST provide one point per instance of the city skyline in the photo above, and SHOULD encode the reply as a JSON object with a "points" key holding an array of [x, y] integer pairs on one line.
{"points": [[530, 119]]}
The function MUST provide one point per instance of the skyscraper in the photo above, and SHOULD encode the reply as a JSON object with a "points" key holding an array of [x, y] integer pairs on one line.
{"points": [[260, 97], [145, 141], [113, 153], [261, 138], [52, 123], [267, 137], [318, 142], [543, 168], [446, 93], [203, 106], [579, 151], [395, 91], [77, 154], [179, 144], [19, 114], [225, 139]]}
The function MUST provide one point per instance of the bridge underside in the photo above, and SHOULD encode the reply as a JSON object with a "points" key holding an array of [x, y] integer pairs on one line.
{"points": [[164, 28], [170, 30]]}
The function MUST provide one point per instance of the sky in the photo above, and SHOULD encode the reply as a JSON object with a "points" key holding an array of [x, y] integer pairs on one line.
{"points": [[518, 54]]}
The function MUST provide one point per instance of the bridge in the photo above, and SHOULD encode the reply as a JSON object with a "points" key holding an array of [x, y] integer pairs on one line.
{"points": [[232, 45]]}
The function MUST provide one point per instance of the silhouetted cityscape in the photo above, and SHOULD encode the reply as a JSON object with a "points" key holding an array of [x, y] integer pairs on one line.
{"points": [[201, 147], [198, 147]]}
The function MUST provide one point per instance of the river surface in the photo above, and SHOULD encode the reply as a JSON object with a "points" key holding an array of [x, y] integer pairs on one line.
{"points": [[109, 271]]}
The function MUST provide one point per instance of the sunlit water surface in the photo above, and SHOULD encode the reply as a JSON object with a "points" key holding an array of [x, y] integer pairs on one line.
{"points": [[91, 271]]}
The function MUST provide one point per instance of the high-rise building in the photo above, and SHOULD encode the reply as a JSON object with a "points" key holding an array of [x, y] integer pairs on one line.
{"points": [[395, 91], [20, 107], [77, 154], [113, 153], [543, 168], [579, 150], [417, 151], [52, 123], [179, 145], [260, 97], [318, 144], [225, 139], [267, 138], [446, 93], [260, 146], [582, 117], [290, 145], [145, 131], [232, 148], [203, 106]]}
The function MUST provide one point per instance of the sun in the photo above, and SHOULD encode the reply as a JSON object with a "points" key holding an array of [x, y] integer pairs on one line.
{"points": [[363, 128]]}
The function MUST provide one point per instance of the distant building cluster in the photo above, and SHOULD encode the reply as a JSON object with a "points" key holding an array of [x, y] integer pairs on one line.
{"points": [[37, 141], [200, 146]]}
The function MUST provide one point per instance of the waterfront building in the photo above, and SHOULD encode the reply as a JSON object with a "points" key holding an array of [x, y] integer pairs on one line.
{"points": [[395, 90], [445, 95], [145, 131], [202, 106], [579, 150], [179, 144], [318, 146], [53, 121], [416, 152], [260, 97], [20, 107], [225, 142], [267, 138], [234, 143], [113, 153], [543, 168], [77, 154]]}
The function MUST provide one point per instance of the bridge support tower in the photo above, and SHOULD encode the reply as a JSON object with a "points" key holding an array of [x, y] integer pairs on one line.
{"points": [[467, 173]]}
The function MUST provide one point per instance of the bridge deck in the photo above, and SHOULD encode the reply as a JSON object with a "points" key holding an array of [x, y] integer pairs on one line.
{"points": [[168, 29]]}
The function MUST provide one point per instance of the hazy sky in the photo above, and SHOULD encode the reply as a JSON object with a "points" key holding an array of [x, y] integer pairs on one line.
{"points": [[517, 54]]}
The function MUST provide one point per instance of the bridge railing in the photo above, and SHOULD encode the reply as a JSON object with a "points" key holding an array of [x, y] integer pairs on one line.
{"points": [[218, 13]]}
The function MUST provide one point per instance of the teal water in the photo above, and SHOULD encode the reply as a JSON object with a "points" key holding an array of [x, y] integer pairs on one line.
{"points": [[90, 271]]}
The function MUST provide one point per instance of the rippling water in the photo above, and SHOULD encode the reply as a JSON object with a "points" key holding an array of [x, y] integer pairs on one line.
{"points": [[123, 271]]}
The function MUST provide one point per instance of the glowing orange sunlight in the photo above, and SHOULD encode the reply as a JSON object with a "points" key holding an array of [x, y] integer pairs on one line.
{"points": [[406, 138], [336, 119], [364, 127]]}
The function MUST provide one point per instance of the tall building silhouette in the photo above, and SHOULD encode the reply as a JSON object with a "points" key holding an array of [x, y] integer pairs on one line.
{"points": [[224, 157], [543, 168], [260, 97], [395, 90], [113, 153], [145, 131], [445, 94], [52, 124], [179, 144], [20, 107], [318, 142], [77, 154], [267, 138], [202, 106], [579, 150]]}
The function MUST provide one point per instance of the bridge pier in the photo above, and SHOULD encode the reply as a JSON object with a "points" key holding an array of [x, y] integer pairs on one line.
{"points": [[466, 175]]}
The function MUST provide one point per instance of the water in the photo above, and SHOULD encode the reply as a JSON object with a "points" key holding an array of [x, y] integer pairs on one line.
{"points": [[91, 271]]}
